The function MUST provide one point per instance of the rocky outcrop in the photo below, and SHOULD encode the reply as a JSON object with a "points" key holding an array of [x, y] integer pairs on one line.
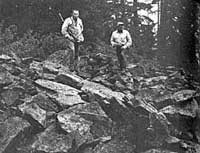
{"points": [[98, 110]]}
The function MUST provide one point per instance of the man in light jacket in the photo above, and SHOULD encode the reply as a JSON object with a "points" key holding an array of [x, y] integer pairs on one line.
{"points": [[72, 29], [121, 40]]}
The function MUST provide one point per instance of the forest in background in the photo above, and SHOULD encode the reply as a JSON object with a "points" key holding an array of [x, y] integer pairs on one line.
{"points": [[34, 27]]}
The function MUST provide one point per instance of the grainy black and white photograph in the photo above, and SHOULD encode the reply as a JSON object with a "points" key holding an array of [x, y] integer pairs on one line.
{"points": [[99, 76]]}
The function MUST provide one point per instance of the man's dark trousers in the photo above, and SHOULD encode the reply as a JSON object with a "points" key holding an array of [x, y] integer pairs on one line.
{"points": [[76, 56], [121, 57]]}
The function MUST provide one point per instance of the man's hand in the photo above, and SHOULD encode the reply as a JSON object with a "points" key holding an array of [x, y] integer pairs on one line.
{"points": [[123, 47], [70, 38]]}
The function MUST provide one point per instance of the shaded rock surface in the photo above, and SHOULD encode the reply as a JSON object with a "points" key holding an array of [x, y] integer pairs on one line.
{"points": [[10, 133], [52, 141]]}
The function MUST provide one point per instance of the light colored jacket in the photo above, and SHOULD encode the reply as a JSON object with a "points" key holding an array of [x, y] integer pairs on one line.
{"points": [[121, 39], [72, 29]]}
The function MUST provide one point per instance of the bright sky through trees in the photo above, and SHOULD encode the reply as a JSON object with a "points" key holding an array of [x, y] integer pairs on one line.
{"points": [[153, 16]]}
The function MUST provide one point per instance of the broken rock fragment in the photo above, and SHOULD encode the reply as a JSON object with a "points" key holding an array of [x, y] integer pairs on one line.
{"points": [[35, 112], [9, 130]]}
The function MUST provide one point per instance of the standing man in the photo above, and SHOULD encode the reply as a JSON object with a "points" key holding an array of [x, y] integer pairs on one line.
{"points": [[121, 40], [72, 29]]}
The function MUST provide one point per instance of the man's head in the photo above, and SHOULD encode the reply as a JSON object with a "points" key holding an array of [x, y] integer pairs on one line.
{"points": [[120, 26], [75, 14]]}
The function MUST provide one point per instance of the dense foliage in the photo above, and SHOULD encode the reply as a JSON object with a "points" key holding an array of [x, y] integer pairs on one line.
{"points": [[99, 18]]}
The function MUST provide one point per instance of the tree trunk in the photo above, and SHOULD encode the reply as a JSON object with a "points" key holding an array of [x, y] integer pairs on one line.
{"points": [[188, 27]]}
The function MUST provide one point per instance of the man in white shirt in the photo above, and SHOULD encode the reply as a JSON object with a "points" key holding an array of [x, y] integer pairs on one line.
{"points": [[121, 40], [72, 29]]}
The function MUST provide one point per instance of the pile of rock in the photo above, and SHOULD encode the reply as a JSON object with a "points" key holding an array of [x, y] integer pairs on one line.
{"points": [[46, 108]]}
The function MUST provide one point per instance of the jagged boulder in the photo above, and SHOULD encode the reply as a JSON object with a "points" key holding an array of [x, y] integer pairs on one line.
{"points": [[47, 69], [45, 102], [5, 78], [32, 109], [52, 141], [73, 123], [189, 109], [183, 95], [10, 130], [115, 146], [93, 116]]}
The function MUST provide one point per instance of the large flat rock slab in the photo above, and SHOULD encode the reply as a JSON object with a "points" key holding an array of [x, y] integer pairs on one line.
{"points": [[64, 94], [57, 87], [100, 91], [69, 79]]}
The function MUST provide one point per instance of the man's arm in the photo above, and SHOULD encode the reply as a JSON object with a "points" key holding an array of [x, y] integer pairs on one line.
{"points": [[112, 40], [64, 30], [129, 40], [81, 25]]}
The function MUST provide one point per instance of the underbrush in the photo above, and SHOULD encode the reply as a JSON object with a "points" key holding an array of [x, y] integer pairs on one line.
{"points": [[31, 44], [37, 46]]}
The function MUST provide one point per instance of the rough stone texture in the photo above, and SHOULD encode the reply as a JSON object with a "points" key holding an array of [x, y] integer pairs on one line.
{"points": [[78, 122], [69, 79], [47, 70], [10, 96], [115, 146], [64, 94], [57, 87], [61, 57], [67, 99], [35, 112], [51, 141], [9, 129], [37, 66], [47, 76], [102, 92], [159, 151], [92, 112], [5, 78], [72, 123], [187, 110], [50, 67], [44, 102], [114, 112], [153, 80], [183, 95], [12, 68], [4, 58]]}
